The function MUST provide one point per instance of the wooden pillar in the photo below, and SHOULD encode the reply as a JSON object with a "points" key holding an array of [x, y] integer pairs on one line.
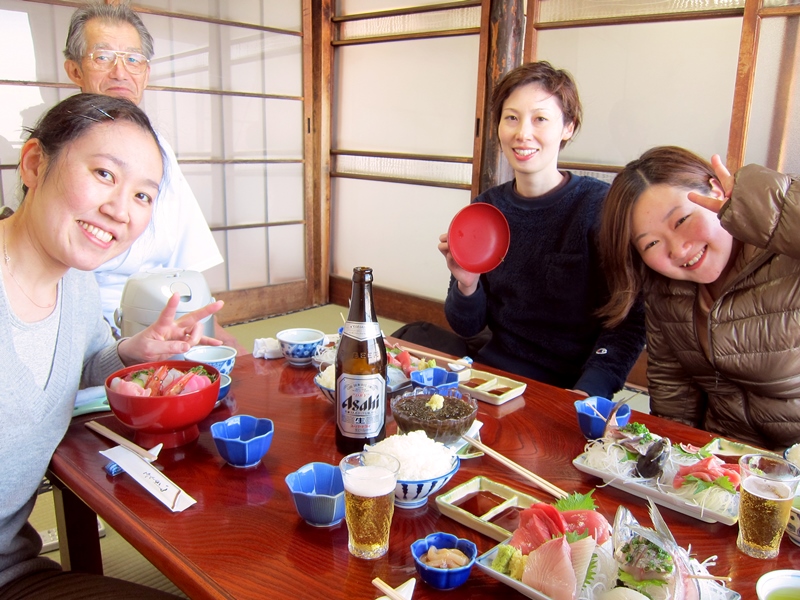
{"points": [[502, 27], [317, 102]]}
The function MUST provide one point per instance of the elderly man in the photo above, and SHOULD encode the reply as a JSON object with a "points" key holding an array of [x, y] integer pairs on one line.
{"points": [[108, 52]]}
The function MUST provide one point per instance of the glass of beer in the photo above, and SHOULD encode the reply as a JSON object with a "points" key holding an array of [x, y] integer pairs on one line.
{"points": [[369, 482], [765, 501]]}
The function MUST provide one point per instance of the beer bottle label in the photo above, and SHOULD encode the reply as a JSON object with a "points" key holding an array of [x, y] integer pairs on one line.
{"points": [[362, 331], [362, 404]]}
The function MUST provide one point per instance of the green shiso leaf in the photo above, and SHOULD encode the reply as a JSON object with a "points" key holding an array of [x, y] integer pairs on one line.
{"points": [[576, 501]]}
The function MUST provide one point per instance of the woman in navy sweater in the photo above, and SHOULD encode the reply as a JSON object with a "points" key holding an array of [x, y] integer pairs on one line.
{"points": [[540, 304]]}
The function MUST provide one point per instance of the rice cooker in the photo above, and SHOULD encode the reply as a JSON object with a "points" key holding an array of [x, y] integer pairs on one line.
{"points": [[146, 294]]}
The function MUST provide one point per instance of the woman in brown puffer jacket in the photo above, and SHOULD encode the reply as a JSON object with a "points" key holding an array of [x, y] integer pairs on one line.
{"points": [[718, 260]]}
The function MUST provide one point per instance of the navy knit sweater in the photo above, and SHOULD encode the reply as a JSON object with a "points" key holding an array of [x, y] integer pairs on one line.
{"points": [[540, 303]]}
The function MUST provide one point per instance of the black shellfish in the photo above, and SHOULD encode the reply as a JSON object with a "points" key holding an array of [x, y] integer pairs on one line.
{"points": [[651, 463]]}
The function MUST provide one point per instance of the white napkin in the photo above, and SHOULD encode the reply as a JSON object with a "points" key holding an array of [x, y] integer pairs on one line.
{"points": [[267, 348], [150, 478], [90, 394]]}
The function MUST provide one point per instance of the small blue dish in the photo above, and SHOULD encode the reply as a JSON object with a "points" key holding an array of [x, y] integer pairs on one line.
{"points": [[318, 493], [300, 344], [222, 358], [436, 377], [224, 386], [592, 426], [443, 579], [242, 440]]}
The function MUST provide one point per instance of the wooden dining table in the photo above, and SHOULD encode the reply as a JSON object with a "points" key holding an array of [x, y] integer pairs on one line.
{"points": [[243, 538]]}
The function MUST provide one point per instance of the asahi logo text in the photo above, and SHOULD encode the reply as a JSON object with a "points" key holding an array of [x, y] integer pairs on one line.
{"points": [[362, 404]]}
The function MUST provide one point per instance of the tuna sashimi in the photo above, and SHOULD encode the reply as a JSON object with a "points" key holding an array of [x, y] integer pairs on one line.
{"points": [[582, 520], [708, 469], [537, 524], [549, 570]]}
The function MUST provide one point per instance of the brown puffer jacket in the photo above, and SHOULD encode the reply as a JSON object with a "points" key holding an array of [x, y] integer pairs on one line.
{"points": [[750, 390]]}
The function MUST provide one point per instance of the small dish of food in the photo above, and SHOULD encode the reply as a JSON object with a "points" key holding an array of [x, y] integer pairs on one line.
{"points": [[444, 418], [436, 377], [163, 401], [443, 560]]}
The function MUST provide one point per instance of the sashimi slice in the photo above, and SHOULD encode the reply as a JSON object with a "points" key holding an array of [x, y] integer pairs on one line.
{"points": [[549, 570], [588, 520], [537, 524], [128, 387], [581, 556]]}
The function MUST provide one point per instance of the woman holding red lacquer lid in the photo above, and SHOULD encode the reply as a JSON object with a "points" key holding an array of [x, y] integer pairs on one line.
{"points": [[540, 302]]}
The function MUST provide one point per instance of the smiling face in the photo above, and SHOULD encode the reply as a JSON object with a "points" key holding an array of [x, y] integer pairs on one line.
{"points": [[117, 82], [678, 238], [531, 130], [96, 197]]}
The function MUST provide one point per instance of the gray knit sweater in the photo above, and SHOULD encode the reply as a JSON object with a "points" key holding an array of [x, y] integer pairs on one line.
{"points": [[33, 421]]}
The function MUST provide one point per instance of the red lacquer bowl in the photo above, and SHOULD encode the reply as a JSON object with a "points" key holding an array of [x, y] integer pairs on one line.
{"points": [[168, 420], [479, 237]]}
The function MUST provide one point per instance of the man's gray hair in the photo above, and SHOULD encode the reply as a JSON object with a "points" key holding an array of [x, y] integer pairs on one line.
{"points": [[109, 13]]}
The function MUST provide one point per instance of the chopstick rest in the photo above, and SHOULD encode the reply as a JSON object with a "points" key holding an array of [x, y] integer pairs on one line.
{"points": [[390, 592]]}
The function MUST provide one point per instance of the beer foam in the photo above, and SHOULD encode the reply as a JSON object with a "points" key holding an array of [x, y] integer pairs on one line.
{"points": [[769, 490], [369, 481]]}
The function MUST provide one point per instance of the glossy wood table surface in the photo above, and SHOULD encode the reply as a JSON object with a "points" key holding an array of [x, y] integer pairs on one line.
{"points": [[243, 539]]}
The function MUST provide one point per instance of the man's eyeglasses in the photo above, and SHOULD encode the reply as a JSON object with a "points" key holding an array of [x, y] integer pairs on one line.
{"points": [[105, 60]]}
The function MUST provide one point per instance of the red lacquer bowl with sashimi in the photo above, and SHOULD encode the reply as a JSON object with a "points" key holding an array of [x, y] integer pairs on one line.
{"points": [[173, 396]]}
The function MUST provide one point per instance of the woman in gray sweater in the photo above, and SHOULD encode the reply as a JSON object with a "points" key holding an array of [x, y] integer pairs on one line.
{"points": [[90, 173]]}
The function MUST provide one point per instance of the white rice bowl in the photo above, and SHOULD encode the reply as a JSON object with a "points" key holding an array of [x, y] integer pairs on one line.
{"points": [[420, 457]]}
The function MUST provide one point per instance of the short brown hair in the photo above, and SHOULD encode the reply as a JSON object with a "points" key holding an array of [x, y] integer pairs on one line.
{"points": [[625, 270], [558, 82]]}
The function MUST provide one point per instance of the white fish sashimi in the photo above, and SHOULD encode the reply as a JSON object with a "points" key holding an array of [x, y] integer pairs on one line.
{"points": [[581, 556], [549, 570]]}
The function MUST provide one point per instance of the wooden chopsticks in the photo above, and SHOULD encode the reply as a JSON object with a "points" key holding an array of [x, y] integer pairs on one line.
{"points": [[539, 482], [388, 590], [106, 432]]}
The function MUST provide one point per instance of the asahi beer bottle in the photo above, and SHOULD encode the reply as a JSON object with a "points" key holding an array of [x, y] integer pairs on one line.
{"points": [[360, 372]]}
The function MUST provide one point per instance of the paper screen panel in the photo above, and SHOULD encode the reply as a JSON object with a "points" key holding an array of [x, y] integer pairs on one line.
{"points": [[393, 228], [422, 170], [441, 20], [411, 96], [577, 10], [773, 134], [286, 253], [640, 89]]}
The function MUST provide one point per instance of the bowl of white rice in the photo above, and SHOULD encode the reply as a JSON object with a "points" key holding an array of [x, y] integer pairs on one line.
{"points": [[425, 466]]}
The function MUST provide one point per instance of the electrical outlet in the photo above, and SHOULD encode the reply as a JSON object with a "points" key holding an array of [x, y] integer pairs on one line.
{"points": [[50, 537]]}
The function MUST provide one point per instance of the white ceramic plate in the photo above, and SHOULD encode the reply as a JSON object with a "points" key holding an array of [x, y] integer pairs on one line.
{"points": [[645, 490]]}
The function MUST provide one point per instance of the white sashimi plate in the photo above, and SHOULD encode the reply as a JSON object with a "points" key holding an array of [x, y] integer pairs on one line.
{"points": [[643, 490], [484, 563]]}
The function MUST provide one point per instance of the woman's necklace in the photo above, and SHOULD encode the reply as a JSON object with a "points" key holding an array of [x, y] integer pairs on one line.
{"points": [[10, 272]]}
